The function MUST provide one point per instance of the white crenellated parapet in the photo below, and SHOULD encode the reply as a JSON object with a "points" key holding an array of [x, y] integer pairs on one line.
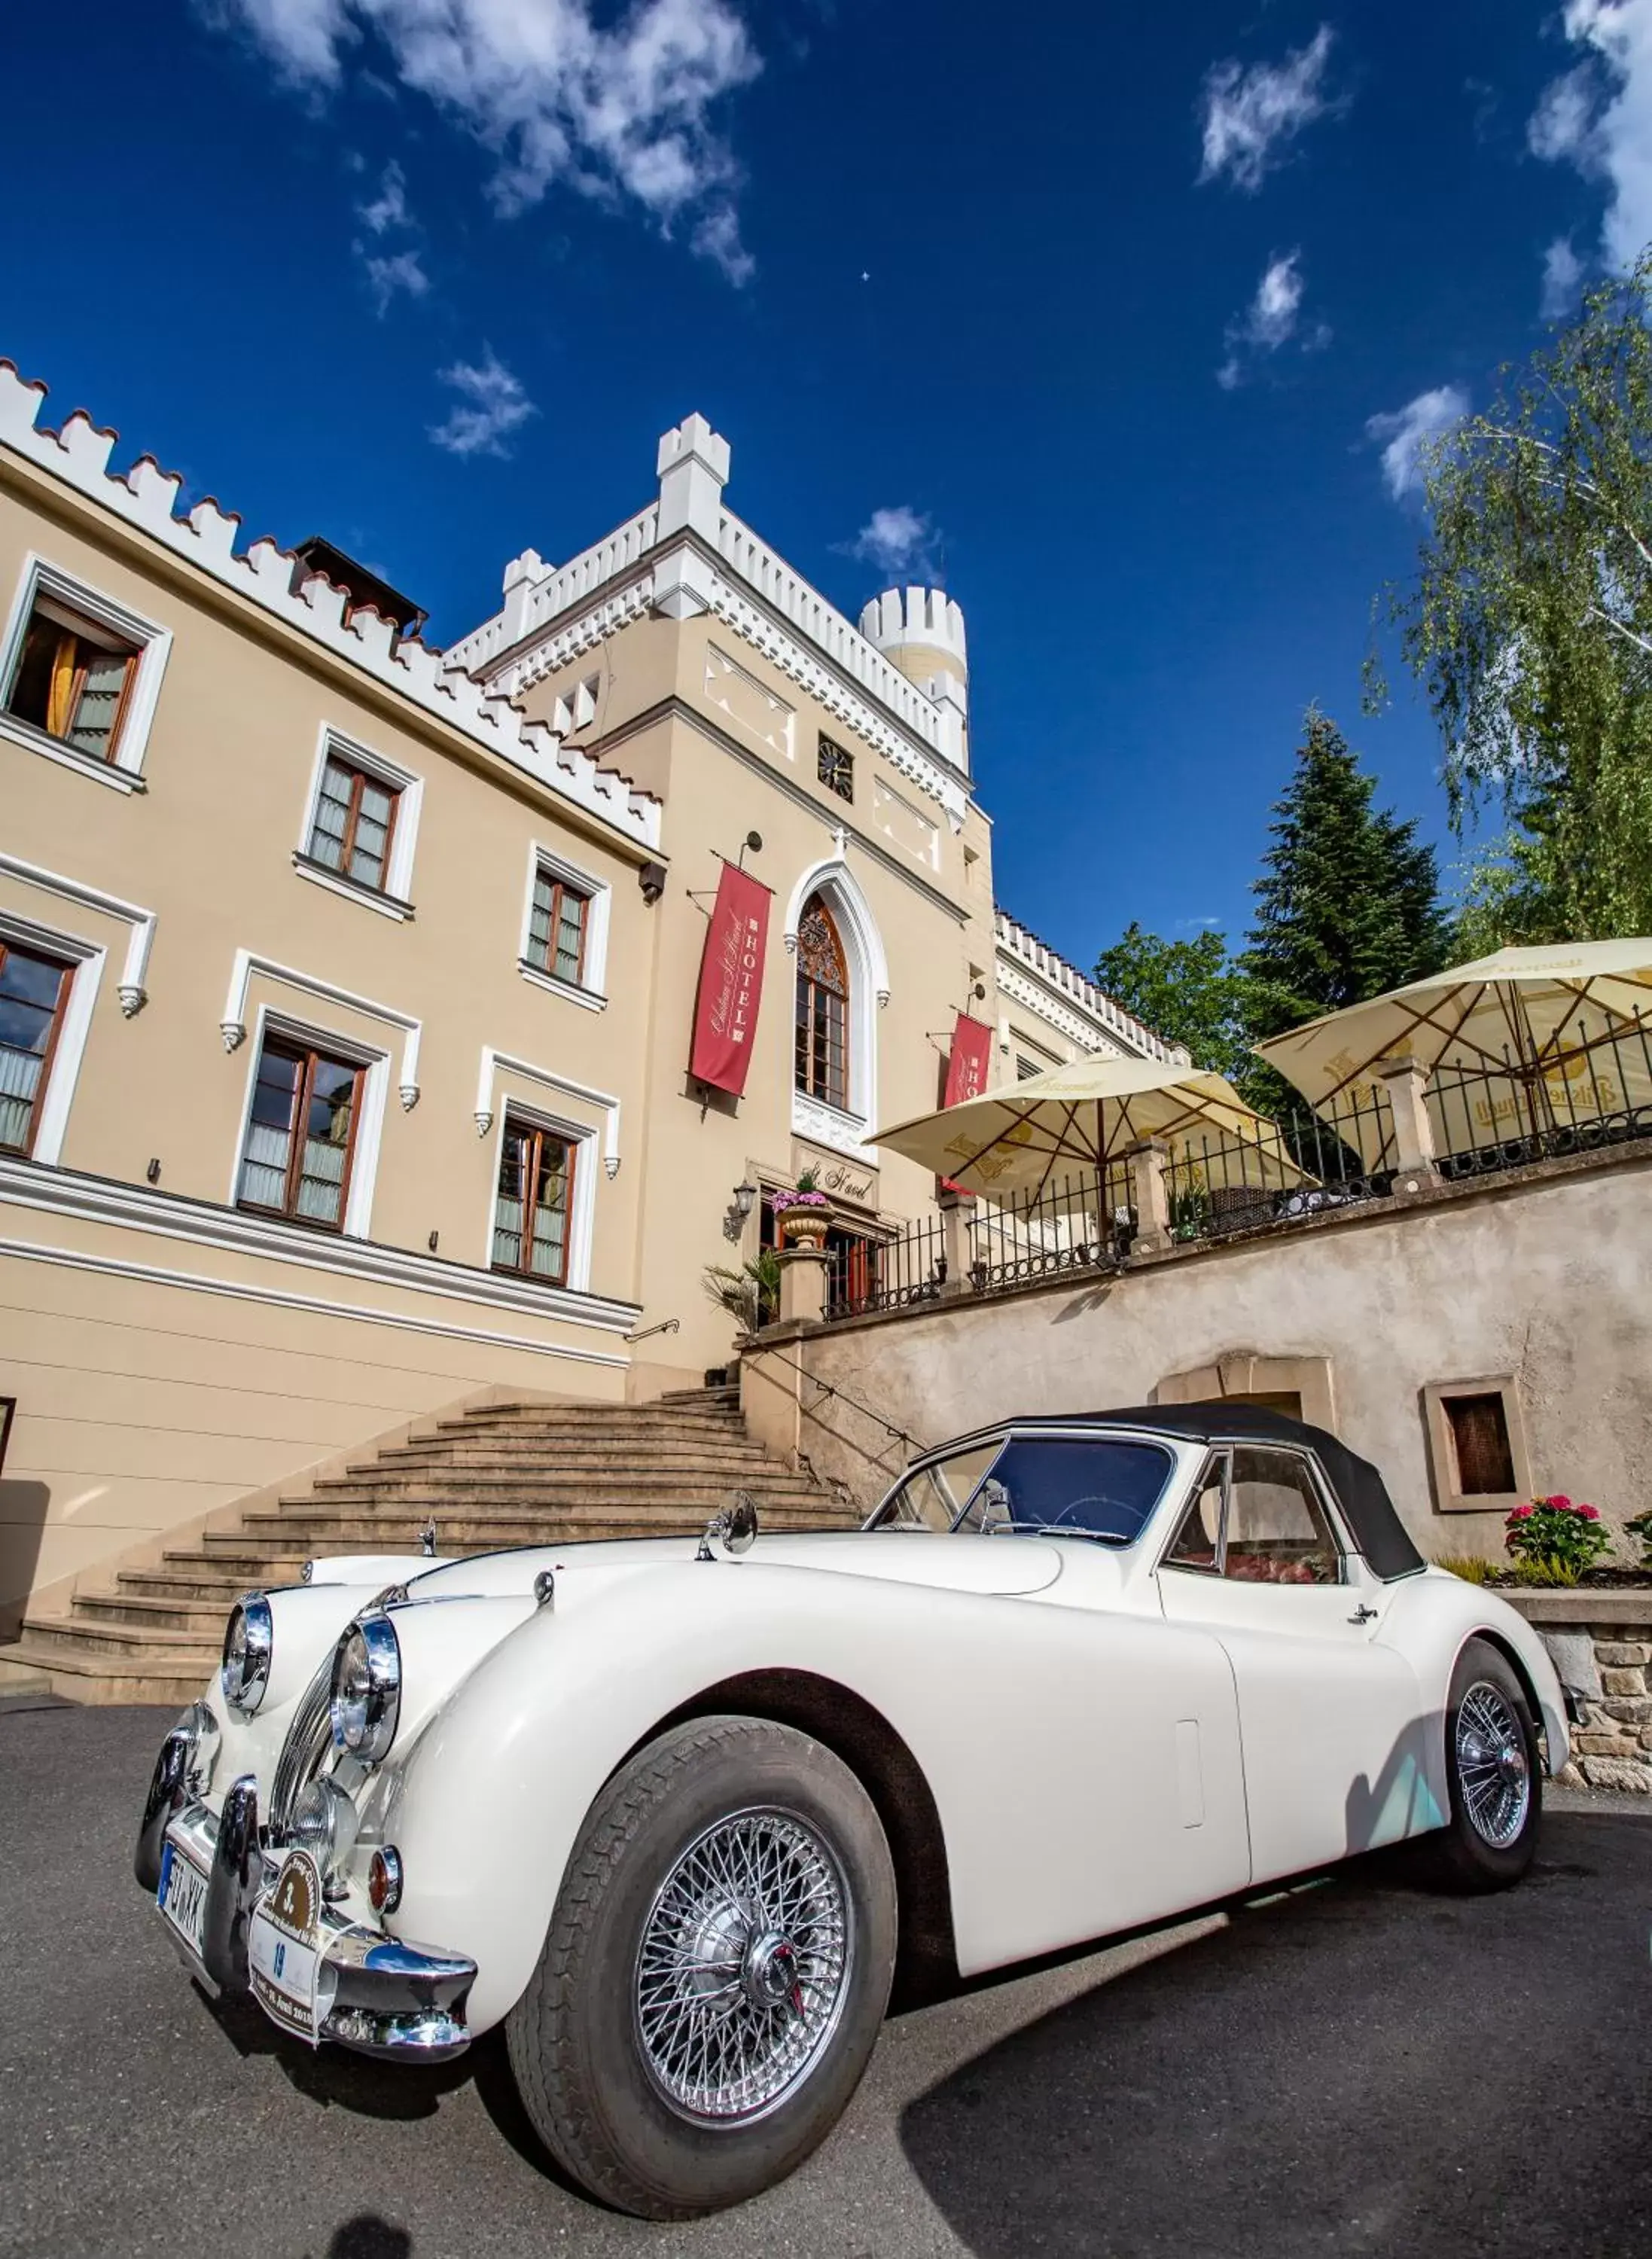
{"points": [[693, 463], [147, 497], [922, 630]]}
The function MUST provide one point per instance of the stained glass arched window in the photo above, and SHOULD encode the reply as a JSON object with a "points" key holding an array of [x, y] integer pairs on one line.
{"points": [[821, 1056]]}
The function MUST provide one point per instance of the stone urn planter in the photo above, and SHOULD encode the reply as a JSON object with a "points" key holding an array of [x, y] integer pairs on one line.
{"points": [[804, 1224]]}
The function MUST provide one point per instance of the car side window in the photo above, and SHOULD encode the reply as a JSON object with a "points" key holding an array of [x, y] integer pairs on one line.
{"points": [[1196, 1543], [1277, 1529]]}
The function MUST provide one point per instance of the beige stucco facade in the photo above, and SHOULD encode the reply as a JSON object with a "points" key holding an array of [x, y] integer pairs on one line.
{"points": [[623, 723]]}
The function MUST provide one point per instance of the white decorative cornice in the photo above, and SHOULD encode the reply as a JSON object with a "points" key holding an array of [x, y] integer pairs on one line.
{"points": [[495, 1062], [1046, 984], [436, 683], [133, 993], [233, 1025]]}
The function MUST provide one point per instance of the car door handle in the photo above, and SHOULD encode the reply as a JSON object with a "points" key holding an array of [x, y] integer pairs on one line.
{"points": [[1362, 1615]]}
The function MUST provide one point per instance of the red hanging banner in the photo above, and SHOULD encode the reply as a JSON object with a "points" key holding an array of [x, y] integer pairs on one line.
{"points": [[966, 1067], [730, 982], [970, 1055]]}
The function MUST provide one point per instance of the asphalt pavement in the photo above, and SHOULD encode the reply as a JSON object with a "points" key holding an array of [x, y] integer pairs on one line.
{"points": [[1359, 2068]]}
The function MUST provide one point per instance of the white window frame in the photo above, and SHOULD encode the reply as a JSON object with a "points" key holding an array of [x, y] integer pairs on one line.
{"points": [[868, 969], [591, 991], [364, 1160], [41, 578], [87, 958], [582, 1136], [396, 901]]}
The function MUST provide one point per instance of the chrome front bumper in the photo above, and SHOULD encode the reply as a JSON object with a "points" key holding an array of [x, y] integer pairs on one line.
{"points": [[402, 2003]]}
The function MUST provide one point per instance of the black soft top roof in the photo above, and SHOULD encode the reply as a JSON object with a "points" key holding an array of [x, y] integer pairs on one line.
{"points": [[1360, 1489]]}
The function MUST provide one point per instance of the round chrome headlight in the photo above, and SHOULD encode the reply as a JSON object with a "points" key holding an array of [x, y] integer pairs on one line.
{"points": [[249, 1642], [324, 1823], [367, 1688]]}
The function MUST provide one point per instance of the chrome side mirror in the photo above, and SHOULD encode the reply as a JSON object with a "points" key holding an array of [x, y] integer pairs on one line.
{"points": [[735, 1528]]}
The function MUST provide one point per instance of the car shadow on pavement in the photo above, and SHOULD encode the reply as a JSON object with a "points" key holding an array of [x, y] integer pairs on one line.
{"points": [[1332, 2071], [332, 2076]]}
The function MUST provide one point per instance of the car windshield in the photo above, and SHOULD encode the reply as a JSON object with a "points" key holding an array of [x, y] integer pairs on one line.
{"points": [[1101, 1486]]}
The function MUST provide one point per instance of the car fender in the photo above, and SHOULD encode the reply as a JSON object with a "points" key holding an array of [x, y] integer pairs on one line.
{"points": [[1432, 1618], [1085, 1766]]}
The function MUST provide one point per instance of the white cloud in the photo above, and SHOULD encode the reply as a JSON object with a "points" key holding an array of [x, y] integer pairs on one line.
{"points": [[1563, 273], [492, 406], [1251, 115], [399, 270], [618, 109], [1408, 430], [1597, 116], [388, 208], [1270, 321], [896, 541]]}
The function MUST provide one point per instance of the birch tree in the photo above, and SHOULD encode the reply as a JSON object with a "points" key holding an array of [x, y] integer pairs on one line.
{"points": [[1530, 628]]}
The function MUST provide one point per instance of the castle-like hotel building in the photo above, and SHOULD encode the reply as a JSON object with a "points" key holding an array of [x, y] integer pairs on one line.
{"points": [[356, 996]]}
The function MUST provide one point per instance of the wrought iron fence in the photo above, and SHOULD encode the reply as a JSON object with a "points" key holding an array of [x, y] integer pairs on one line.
{"points": [[1071, 1224], [1301, 1163], [1597, 1092], [886, 1274]]}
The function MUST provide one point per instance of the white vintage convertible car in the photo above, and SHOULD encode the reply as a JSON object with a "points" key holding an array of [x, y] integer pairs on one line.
{"points": [[678, 1818]]}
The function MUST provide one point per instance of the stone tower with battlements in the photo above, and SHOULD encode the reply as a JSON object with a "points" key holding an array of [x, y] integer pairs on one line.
{"points": [[920, 631]]}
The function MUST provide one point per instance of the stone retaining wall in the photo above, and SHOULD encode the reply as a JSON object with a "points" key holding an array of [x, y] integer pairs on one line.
{"points": [[1608, 1664]]}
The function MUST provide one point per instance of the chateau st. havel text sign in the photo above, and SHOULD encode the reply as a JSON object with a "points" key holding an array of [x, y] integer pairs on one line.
{"points": [[730, 982]]}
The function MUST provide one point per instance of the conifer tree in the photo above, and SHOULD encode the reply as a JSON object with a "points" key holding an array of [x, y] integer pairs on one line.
{"points": [[1348, 902]]}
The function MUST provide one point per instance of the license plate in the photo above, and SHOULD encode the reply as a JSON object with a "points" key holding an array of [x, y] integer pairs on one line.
{"points": [[182, 1895], [284, 1949]]}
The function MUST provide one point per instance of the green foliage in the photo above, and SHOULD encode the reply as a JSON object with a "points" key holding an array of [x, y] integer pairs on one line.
{"points": [[1640, 1526], [808, 1180], [751, 1294], [1471, 1567], [1553, 1541], [1348, 902], [1347, 906], [1189, 992], [1530, 628]]}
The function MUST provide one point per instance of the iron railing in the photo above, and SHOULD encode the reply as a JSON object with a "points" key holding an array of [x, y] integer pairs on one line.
{"points": [[1279, 1172], [1071, 1224], [886, 1274]]}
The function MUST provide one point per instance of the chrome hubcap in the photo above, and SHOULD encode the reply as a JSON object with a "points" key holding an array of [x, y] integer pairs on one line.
{"points": [[1493, 1768], [744, 1966]]}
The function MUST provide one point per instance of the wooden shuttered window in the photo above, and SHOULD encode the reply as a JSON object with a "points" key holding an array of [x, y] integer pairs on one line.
{"points": [[301, 1137], [353, 825], [34, 996], [557, 926], [534, 1204], [821, 1051], [73, 680]]}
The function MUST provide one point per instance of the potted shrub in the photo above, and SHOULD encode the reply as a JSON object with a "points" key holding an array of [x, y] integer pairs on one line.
{"points": [[1553, 1541], [803, 1216]]}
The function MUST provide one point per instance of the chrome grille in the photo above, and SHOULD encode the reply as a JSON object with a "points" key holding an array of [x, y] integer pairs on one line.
{"points": [[309, 1739]]}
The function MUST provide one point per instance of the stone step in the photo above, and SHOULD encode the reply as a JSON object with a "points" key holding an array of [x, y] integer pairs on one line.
{"points": [[84, 1674], [589, 1419], [175, 1649], [552, 1483], [485, 1451], [192, 1619]]}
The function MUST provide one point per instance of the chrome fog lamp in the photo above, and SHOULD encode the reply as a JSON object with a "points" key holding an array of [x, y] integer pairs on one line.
{"points": [[367, 1689], [249, 1642], [324, 1823]]}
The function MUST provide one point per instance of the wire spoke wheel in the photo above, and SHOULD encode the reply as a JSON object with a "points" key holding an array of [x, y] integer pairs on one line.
{"points": [[1493, 1769], [744, 1965]]}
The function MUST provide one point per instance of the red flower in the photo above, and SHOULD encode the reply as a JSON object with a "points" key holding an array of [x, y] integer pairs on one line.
{"points": [[1587, 1512], [1560, 1499], [1522, 1514]]}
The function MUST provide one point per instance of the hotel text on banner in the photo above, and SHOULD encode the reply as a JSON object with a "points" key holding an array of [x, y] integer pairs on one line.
{"points": [[966, 1067], [730, 982]]}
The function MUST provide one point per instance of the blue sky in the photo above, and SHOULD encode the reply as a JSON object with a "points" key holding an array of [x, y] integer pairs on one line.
{"points": [[1088, 310]]}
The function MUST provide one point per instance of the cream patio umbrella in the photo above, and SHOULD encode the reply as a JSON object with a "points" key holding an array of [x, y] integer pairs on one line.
{"points": [[1025, 1139], [1518, 1044]]}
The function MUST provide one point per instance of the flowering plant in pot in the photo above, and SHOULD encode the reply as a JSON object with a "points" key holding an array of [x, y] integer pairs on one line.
{"points": [[804, 1214], [1554, 1540]]}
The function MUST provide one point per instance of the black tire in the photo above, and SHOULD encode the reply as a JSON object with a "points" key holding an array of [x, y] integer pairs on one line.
{"points": [[1470, 1853], [596, 2097]]}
